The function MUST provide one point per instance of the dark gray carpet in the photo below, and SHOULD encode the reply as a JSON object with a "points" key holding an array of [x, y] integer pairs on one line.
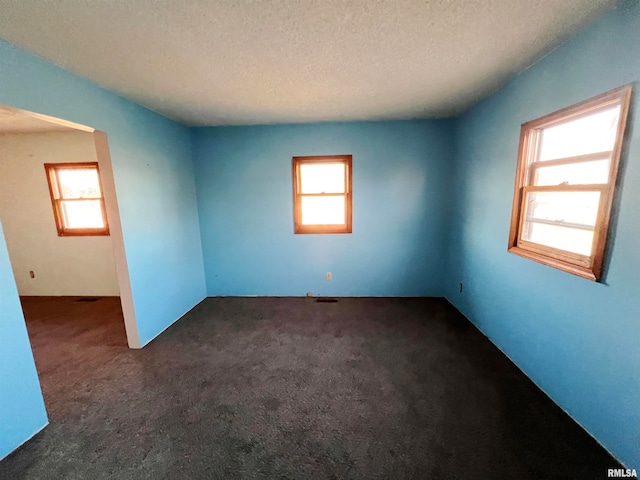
{"points": [[287, 388]]}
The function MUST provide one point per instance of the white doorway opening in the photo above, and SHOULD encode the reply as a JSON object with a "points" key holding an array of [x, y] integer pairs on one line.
{"points": [[44, 262]]}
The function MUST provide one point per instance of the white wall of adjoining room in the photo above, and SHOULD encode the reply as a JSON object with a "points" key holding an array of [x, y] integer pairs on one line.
{"points": [[62, 265]]}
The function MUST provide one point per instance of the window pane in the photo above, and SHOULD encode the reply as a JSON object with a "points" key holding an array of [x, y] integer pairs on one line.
{"points": [[574, 174], [82, 214], [563, 238], [322, 177], [79, 183], [590, 134], [323, 210], [568, 207]]}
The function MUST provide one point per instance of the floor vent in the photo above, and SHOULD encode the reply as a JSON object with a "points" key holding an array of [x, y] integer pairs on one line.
{"points": [[87, 299], [327, 300]]}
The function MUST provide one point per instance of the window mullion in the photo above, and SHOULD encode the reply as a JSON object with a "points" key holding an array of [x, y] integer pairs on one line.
{"points": [[592, 187], [323, 194], [560, 223], [590, 157], [83, 199]]}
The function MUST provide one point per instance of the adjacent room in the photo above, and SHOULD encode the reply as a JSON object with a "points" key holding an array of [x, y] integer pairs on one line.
{"points": [[319, 239], [53, 213]]}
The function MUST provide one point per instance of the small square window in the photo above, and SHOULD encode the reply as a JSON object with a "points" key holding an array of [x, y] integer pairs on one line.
{"points": [[77, 200], [565, 182], [322, 194]]}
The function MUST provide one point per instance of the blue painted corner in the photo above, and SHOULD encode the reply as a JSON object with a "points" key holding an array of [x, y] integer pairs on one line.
{"points": [[209, 211], [578, 340], [153, 171], [22, 412], [245, 204]]}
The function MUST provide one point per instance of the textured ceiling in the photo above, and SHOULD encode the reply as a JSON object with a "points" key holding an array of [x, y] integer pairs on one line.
{"points": [[13, 120], [246, 62]]}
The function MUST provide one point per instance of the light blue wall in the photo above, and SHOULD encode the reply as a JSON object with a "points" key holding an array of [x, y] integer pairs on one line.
{"points": [[245, 204], [153, 172], [578, 340], [22, 412]]}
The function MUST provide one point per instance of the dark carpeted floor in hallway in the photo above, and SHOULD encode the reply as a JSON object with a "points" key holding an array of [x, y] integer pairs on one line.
{"points": [[287, 388]]}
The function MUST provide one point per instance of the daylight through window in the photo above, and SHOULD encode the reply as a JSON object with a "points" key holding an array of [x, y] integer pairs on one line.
{"points": [[76, 196], [567, 169], [322, 194]]}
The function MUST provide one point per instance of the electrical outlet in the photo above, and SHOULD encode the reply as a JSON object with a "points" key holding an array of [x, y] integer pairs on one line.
{"points": [[309, 294], [31, 274], [328, 276]]}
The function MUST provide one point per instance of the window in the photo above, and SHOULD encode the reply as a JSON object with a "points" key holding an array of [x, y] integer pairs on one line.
{"points": [[567, 169], [322, 194], [76, 196]]}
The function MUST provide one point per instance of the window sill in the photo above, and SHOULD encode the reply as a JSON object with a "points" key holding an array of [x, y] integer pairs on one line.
{"points": [[577, 270], [321, 229], [84, 233]]}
